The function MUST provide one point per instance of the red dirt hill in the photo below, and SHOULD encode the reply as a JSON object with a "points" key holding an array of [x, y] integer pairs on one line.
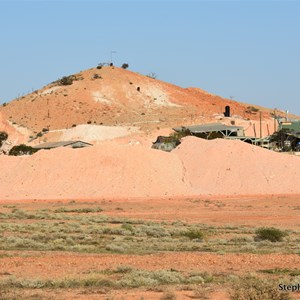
{"points": [[114, 96]]}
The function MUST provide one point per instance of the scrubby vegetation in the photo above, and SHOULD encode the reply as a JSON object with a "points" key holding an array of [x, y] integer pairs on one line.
{"points": [[85, 228], [194, 234], [67, 80], [277, 271], [22, 150], [97, 76], [3, 137], [125, 66], [270, 234], [88, 229], [251, 110], [100, 65], [255, 288]]}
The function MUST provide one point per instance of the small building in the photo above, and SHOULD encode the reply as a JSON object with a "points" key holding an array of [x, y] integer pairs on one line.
{"points": [[69, 144], [212, 129]]}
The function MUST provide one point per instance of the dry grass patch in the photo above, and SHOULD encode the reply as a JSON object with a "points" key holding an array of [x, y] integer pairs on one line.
{"points": [[258, 289]]}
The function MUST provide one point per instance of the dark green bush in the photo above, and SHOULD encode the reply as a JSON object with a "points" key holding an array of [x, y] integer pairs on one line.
{"points": [[67, 80], [270, 234], [125, 66], [22, 150], [3, 137], [100, 65]]}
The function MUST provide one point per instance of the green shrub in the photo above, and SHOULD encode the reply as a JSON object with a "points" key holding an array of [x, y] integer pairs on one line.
{"points": [[270, 234], [127, 227], [125, 66], [100, 65], [22, 150], [194, 234], [139, 278], [67, 80]]}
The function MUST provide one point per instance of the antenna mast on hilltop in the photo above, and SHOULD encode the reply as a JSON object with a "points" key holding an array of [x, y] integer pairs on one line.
{"points": [[111, 54]]}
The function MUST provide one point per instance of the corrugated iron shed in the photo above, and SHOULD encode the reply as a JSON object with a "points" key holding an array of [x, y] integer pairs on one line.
{"points": [[212, 127], [72, 144]]}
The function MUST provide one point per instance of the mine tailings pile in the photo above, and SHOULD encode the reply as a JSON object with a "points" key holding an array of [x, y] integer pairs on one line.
{"points": [[111, 170]]}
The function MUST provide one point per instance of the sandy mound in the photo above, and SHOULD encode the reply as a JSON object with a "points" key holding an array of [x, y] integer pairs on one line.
{"points": [[101, 171], [234, 167], [91, 133], [111, 170]]}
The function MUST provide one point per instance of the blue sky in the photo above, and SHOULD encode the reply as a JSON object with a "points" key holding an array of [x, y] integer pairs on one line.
{"points": [[245, 49]]}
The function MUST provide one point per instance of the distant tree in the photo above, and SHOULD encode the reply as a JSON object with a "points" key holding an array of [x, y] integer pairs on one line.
{"points": [[125, 66]]}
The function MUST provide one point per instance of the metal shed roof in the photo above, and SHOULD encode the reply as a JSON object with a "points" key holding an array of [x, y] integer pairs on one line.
{"points": [[58, 144], [208, 128]]}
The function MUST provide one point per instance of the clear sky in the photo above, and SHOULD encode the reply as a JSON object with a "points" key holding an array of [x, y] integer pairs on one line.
{"points": [[248, 50]]}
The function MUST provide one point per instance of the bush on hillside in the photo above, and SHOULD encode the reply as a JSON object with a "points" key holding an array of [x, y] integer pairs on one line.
{"points": [[67, 80], [97, 76], [100, 65], [3, 137], [125, 66], [251, 110], [22, 149]]}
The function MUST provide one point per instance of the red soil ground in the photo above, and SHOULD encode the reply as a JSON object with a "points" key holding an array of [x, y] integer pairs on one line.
{"points": [[282, 212]]}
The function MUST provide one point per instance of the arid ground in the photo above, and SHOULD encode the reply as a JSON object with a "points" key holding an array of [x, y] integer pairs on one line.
{"points": [[120, 220], [168, 248]]}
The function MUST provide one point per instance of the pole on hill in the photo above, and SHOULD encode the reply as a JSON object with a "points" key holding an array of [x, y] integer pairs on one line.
{"points": [[260, 129]]}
